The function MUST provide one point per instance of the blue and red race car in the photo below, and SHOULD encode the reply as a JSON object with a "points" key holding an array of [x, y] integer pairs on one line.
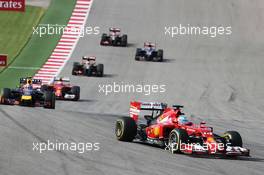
{"points": [[149, 53], [28, 93]]}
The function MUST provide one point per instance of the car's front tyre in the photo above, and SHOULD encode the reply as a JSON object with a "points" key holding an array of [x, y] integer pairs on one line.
{"points": [[177, 137], [233, 138]]}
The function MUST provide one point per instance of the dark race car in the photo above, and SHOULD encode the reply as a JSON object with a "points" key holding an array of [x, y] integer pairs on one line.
{"points": [[63, 89], [169, 128], [114, 38], [149, 53], [88, 67], [28, 93]]}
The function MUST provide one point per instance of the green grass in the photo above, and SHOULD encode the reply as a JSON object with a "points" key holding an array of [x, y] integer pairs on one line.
{"points": [[16, 30], [38, 49]]}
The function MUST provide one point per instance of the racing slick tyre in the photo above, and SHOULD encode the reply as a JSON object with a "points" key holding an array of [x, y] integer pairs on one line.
{"points": [[176, 138], [5, 95], [49, 100], [75, 64], [76, 91], [100, 70], [73, 72], [125, 129], [103, 38], [44, 88], [160, 55], [124, 41], [137, 57], [234, 138]]}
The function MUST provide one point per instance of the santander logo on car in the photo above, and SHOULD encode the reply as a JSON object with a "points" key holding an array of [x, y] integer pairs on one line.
{"points": [[12, 5]]}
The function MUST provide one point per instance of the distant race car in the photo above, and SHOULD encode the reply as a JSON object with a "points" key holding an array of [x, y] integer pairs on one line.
{"points": [[114, 38], [149, 53], [169, 128], [28, 93], [88, 67], [63, 89]]}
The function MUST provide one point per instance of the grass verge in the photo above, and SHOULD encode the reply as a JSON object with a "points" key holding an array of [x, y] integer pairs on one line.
{"points": [[38, 49], [16, 30]]}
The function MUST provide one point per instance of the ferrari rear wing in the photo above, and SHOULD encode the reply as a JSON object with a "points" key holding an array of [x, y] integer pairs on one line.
{"points": [[136, 107]]}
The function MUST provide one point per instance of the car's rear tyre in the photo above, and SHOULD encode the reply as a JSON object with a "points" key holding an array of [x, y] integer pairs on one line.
{"points": [[160, 55], [234, 138], [125, 129], [76, 91], [49, 100], [44, 88], [124, 41], [74, 67], [100, 70], [6, 94], [103, 38], [137, 57], [177, 137], [73, 72], [76, 64]]}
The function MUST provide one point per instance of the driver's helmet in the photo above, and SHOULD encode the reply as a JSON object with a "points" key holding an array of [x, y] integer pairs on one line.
{"points": [[28, 85], [149, 46], [85, 60], [92, 60], [29, 81], [182, 120], [60, 82]]}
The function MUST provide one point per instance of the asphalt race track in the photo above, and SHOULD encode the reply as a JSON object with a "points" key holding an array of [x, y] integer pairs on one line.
{"points": [[219, 80]]}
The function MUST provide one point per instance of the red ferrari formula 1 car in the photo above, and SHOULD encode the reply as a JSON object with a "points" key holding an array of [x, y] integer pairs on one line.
{"points": [[169, 128], [63, 89]]}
